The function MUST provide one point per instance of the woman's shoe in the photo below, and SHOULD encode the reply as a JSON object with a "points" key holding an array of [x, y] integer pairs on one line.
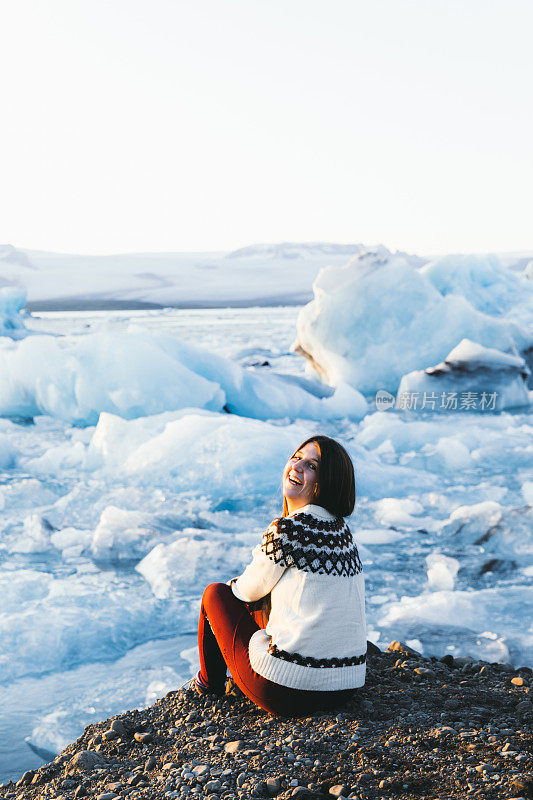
{"points": [[199, 686]]}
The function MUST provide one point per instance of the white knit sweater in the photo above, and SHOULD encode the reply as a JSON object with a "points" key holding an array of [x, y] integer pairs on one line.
{"points": [[315, 638]]}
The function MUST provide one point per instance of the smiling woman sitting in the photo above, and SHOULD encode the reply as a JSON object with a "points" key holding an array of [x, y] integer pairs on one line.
{"points": [[312, 653]]}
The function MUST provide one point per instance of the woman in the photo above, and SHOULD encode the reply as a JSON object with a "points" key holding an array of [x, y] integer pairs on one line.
{"points": [[312, 653]]}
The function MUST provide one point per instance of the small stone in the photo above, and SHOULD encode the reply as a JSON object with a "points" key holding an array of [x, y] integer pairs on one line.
{"points": [[81, 791], [340, 789], [143, 738], [106, 796], [85, 760], [232, 747], [118, 726], [525, 707], [429, 673], [241, 778], [273, 786], [443, 730], [109, 735], [200, 771], [150, 763], [212, 786], [518, 681]]}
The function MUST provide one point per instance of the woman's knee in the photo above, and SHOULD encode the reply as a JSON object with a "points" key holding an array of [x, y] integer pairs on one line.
{"points": [[215, 593]]}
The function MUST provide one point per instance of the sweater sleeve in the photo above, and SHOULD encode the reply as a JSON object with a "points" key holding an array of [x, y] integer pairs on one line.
{"points": [[265, 569]]}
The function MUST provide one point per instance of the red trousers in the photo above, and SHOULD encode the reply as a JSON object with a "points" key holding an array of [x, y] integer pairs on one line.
{"points": [[224, 631]]}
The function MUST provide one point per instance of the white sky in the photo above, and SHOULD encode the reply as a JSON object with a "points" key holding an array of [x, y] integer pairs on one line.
{"points": [[168, 125]]}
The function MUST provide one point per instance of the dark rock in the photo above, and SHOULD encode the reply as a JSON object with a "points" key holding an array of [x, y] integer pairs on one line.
{"points": [[401, 647], [447, 659], [143, 738], [523, 787], [273, 786], [118, 727], [303, 793], [26, 778]]}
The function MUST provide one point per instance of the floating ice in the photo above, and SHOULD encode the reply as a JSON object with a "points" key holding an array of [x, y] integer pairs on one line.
{"points": [[35, 536], [377, 318], [471, 378], [486, 284], [7, 453], [229, 458], [12, 304], [463, 618], [123, 535], [75, 380], [441, 571], [500, 531], [183, 562], [90, 616], [394, 511], [136, 374], [473, 442], [252, 393]]}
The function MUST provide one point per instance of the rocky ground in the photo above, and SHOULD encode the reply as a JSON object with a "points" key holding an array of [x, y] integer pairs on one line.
{"points": [[420, 728]]}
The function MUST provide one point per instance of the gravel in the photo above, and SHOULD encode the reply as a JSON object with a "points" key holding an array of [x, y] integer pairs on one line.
{"points": [[420, 728]]}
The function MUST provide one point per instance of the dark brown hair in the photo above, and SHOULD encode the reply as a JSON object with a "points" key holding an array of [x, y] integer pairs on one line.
{"points": [[336, 479]]}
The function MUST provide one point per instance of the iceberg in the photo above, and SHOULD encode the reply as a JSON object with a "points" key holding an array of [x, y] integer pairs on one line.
{"points": [[135, 374], [377, 318], [483, 281], [471, 378], [12, 304]]}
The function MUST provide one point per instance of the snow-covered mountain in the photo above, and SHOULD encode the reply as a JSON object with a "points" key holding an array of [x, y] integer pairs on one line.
{"points": [[263, 274]]}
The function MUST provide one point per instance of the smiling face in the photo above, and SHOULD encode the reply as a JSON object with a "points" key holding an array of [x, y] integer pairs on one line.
{"points": [[300, 477]]}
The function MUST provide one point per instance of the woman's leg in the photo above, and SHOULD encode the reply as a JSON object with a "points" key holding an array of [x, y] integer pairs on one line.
{"points": [[224, 634], [219, 616]]}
